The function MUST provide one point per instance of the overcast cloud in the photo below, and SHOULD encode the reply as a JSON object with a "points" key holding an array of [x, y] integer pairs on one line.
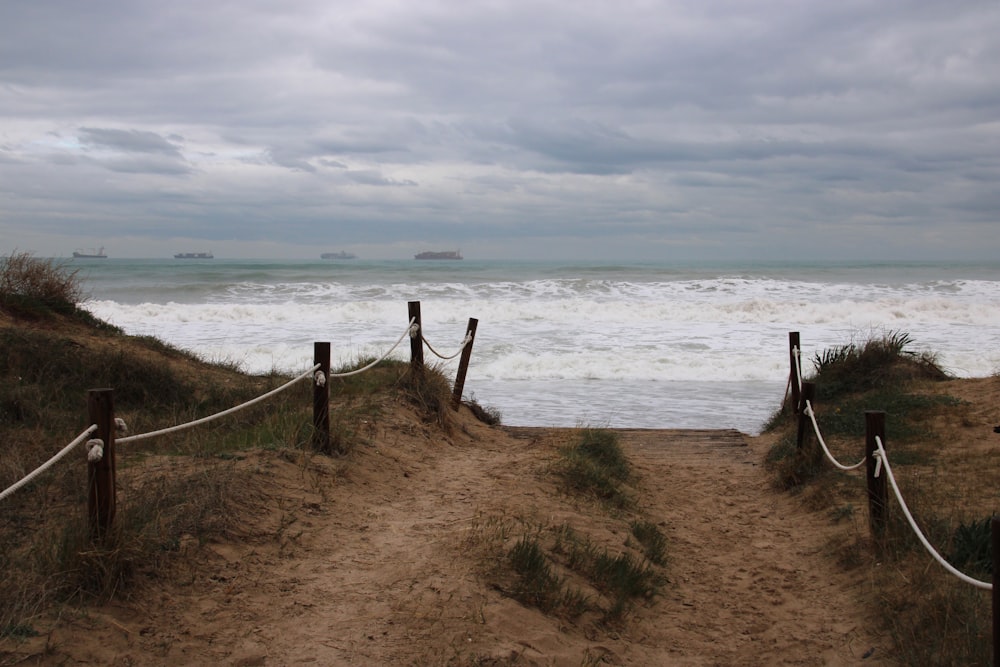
{"points": [[755, 129]]}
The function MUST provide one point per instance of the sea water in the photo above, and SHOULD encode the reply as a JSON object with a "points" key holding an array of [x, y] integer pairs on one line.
{"points": [[693, 345]]}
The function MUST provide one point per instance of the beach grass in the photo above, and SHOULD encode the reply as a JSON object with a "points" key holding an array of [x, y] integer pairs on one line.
{"points": [[563, 572], [34, 287], [53, 351], [596, 465], [932, 617], [561, 569]]}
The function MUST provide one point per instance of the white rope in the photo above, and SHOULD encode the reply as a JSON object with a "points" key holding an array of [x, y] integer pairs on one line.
{"points": [[826, 450], [48, 464], [465, 341], [797, 353], [95, 447], [205, 420], [411, 330], [884, 460], [808, 410]]}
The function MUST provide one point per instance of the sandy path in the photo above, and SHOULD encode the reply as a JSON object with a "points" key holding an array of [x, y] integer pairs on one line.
{"points": [[753, 581], [368, 564]]}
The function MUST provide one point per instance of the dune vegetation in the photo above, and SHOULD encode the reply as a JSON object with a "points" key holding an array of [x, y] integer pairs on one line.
{"points": [[948, 483]]}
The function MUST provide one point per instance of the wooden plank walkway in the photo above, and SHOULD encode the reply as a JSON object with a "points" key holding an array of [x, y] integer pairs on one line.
{"points": [[661, 443]]}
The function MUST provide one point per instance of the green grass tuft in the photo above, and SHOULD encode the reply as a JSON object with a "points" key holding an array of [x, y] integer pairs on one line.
{"points": [[597, 466], [538, 585], [972, 548], [622, 577], [654, 544]]}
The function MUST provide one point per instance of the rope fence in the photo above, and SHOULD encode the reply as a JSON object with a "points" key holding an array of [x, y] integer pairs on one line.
{"points": [[100, 448], [319, 373], [881, 463]]}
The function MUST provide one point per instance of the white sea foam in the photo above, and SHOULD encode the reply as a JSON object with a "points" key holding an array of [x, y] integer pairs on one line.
{"points": [[570, 348]]}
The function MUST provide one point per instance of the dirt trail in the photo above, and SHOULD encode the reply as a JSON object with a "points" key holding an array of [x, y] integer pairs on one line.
{"points": [[367, 561], [754, 580]]}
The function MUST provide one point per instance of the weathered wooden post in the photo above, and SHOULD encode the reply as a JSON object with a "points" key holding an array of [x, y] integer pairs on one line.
{"points": [[808, 394], [416, 341], [878, 490], [995, 535], [794, 357], [463, 364], [321, 397], [101, 498]]}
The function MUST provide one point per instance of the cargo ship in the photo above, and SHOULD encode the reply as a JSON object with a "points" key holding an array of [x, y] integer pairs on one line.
{"points": [[343, 254], [194, 255], [444, 254], [80, 254]]}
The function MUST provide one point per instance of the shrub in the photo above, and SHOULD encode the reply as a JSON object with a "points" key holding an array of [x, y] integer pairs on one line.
{"points": [[35, 287], [876, 363], [486, 414]]}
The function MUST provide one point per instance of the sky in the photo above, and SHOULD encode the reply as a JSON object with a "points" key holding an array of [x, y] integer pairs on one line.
{"points": [[508, 129]]}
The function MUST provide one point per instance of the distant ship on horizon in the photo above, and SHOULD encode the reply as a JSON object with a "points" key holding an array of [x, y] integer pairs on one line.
{"points": [[443, 254], [343, 254], [194, 255], [91, 254]]}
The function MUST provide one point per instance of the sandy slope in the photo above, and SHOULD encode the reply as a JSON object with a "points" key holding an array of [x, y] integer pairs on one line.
{"points": [[369, 560]]}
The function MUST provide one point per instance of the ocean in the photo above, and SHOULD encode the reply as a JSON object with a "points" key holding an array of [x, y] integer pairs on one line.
{"points": [[646, 345]]}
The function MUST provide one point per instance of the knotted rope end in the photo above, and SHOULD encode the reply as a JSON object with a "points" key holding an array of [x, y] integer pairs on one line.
{"points": [[95, 450]]}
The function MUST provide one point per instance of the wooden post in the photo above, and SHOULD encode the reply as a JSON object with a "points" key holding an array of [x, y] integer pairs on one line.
{"points": [[793, 375], [463, 364], [878, 490], [101, 499], [808, 394], [417, 341], [321, 398], [995, 534]]}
